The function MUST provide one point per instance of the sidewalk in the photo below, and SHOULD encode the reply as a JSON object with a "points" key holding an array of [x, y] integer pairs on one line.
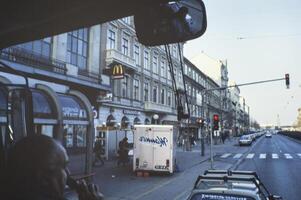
{"points": [[120, 182]]}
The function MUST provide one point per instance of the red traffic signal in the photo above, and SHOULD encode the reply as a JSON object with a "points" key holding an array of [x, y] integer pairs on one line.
{"points": [[215, 122], [287, 80]]}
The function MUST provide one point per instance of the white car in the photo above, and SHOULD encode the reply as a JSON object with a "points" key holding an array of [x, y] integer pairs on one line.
{"points": [[268, 135]]}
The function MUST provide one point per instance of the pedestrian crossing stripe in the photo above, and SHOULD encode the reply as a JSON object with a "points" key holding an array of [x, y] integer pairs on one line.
{"points": [[238, 155], [225, 155], [250, 155], [261, 156], [275, 156]]}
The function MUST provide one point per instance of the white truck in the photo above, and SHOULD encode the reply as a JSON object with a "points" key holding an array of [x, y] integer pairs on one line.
{"points": [[154, 148]]}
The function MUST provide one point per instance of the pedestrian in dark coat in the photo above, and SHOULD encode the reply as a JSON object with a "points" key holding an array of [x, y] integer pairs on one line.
{"points": [[99, 151], [123, 152]]}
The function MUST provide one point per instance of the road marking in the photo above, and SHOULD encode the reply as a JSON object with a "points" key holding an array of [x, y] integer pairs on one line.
{"points": [[299, 154], [288, 156], [225, 155], [250, 155], [263, 156], [237, 155], [275, 156]]}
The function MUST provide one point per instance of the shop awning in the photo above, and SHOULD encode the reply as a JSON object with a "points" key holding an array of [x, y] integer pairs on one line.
{"points": [[137, 120], [111, 120], [42, 106], [72, 107]]}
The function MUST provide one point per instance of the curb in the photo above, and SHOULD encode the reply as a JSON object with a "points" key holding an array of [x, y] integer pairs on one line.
{"points": [[292, 139]]}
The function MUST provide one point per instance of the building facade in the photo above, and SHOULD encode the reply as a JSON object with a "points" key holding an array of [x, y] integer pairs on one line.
{"points": [[64, 77], [204, 104], [145, 94]]}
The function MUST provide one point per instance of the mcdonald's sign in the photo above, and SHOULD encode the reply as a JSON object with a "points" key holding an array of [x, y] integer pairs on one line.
{"points": [[118, 72]]}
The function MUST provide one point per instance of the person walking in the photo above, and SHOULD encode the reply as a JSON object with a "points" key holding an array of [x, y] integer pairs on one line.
{"points": [[123, 151], [99, 151]]}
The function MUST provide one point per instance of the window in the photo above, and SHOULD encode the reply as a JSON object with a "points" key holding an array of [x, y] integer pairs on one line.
{"points": [[155, 63], [180, 76], [111, 39], [146, 91], [163, 72], [193, 92], [136, 89], [146, 60], [169, 98], [189, 71], [39, 47], [162, 96], [174, 51], [168, 74], [175, 72], [124, 87], [81, 131], [185, 69], [126, 20], [137, 54], [125, 46], [77, 47], [193, 74], [155, 93]]}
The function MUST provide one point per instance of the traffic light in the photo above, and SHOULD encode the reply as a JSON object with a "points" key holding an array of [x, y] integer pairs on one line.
{"points": [[287, 81], [215, 122], [201, 122]]}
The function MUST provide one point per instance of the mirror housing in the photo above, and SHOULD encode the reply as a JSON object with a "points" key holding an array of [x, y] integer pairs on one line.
{"points": [[172, 22], [275, 197]]}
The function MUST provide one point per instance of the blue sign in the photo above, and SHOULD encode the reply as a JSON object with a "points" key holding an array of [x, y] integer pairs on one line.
{"points": [[208, 120], [162, 141]]}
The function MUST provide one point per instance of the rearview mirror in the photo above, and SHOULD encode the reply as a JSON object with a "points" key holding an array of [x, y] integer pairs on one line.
{"points": [[173, 22]]}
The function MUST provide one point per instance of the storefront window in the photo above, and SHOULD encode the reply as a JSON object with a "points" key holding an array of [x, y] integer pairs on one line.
{"points": [[68, 134], [80, 131], [75, 135]]}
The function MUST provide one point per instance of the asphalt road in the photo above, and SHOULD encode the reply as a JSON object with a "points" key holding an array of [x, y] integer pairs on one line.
{"points": [[277, 161]]}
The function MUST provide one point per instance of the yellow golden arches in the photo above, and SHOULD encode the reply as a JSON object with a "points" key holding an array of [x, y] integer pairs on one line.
{"points": [[118, 72]]}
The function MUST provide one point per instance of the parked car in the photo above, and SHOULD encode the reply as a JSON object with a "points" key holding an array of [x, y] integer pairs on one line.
{"points": [[245, 140], [221, 184]]}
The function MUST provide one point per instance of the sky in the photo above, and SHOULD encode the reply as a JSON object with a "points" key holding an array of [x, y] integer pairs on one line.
{"points": [[270, 47]]}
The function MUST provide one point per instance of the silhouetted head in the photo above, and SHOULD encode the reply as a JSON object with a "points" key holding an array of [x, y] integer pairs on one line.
{"points": [[37, 167]]}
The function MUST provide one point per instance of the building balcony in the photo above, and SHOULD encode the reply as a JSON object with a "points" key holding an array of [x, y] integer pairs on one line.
{"points": [[127, 102], [29, 58], [155, 107], [89, 76], [113, 56]]}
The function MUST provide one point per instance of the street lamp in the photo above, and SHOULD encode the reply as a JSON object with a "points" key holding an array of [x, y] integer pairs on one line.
{"points": [[156, 117]]}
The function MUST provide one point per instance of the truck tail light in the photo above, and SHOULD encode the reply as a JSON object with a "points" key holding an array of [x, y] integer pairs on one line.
{"points": [[167, 163], [137, 162]]}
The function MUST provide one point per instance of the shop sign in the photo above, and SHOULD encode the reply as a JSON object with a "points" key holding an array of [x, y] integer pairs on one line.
{"points": [[118, 72], [107, 98], [74, 112], [95, 113], [131, 112]]}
